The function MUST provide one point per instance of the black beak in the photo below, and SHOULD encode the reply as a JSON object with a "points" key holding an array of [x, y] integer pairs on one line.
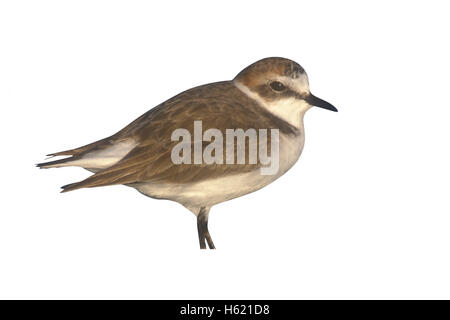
{"points": [[317, 102]]}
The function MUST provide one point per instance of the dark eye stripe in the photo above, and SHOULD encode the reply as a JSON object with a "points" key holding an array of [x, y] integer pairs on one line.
{"points": [[277, 86]]}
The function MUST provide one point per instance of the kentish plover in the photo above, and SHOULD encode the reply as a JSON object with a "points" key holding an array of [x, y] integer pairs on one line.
{"points": [[164, 153]]}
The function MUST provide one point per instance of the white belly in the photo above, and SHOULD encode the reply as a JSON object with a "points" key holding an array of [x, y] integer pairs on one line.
{"points": [[210, 192]]}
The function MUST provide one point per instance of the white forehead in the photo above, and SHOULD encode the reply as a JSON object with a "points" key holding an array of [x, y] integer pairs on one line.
{"points": [[299, 84], [289, 109]]}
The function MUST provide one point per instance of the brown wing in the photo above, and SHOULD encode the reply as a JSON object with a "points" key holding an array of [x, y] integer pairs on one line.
{"points": [[218, 105]]}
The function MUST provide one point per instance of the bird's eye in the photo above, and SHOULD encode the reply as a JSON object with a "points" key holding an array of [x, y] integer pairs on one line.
{"points": [[277, 86]]}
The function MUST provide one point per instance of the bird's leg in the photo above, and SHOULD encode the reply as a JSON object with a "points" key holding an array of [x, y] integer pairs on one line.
{"points": [[201, 228], [203, 232], [209, 239]]}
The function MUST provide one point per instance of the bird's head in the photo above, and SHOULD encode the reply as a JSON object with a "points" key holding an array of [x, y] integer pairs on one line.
{"points": [[281, 85]]}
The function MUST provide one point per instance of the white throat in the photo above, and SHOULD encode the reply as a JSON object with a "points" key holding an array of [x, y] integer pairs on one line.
{"points": [[290, 110]]}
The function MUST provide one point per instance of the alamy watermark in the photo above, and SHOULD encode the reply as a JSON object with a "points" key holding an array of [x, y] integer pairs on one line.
{"points": [[235, 141]]}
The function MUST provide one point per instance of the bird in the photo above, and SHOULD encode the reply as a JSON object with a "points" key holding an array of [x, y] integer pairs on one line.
{"points": [[270, 94]]}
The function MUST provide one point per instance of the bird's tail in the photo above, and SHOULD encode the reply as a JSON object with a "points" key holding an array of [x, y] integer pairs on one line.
{"points": [[75, 154], [66, 162]]}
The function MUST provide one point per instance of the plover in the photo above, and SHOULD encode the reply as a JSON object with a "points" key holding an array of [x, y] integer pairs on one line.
{"points": [[270, 95]]}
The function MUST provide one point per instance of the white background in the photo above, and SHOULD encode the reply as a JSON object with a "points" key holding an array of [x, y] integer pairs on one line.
{"points": [[363, 214]]}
